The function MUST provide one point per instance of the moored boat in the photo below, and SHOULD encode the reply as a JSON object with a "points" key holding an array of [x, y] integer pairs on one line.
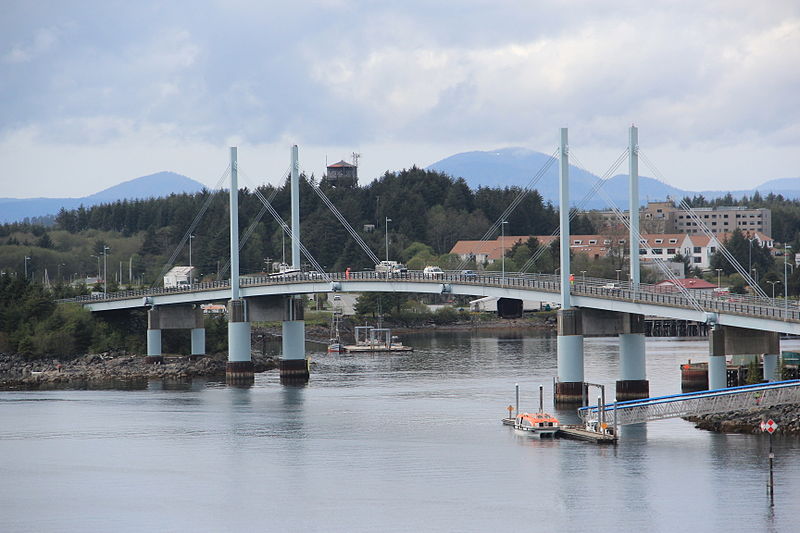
{"points": [[541, 424]]}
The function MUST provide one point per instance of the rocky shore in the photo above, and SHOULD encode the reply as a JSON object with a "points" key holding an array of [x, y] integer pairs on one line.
{"points": [[787, 417], [115, 370]]}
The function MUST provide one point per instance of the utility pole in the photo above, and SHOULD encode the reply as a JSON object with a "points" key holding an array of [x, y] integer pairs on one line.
{"points": [[503, 250], [191, 238]]}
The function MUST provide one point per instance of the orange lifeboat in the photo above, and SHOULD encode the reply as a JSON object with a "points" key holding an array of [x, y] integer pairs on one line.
{"points": [[541, 424]]}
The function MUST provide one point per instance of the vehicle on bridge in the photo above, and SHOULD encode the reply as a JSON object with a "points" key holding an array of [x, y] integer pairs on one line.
{"points": [[432, 272], [391, 269], [180, 277]]}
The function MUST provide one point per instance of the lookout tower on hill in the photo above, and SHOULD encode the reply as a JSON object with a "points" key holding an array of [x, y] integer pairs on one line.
{"points": [[342, 174]]}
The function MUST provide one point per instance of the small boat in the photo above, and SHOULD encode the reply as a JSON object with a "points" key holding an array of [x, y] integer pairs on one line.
{"points": [[334, 346], [541, 424]]}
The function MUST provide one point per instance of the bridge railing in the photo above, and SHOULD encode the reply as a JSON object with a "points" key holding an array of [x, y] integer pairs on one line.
{"points": [[596, 287]]}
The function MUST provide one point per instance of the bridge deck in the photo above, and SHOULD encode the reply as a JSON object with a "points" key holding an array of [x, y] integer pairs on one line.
{"points": [[737, 310]]}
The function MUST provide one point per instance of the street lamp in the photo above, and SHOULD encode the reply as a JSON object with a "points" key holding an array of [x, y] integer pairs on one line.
{"points": [[105, 269], [618, 271], [26, 266], [750, 255], [191, 238], [503, 249], [773, 287], [786, 250], [386, 230], [719, 270], [583, 276]]}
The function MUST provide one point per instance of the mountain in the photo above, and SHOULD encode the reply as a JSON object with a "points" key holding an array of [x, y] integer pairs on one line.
{"points": [[151, 186], [508, 167]]}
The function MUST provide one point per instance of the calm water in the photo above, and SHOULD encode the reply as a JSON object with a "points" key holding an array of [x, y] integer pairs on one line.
{"points": [[404, 442]]}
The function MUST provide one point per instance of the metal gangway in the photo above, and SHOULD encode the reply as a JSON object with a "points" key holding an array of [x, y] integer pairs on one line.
{"points": [[692, 404]]}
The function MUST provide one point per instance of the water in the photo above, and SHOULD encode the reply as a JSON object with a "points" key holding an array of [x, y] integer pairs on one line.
{"points": [[400, 442]]}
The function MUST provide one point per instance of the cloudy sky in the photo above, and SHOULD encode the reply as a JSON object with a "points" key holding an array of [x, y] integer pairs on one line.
{"points": [[96, 93]]}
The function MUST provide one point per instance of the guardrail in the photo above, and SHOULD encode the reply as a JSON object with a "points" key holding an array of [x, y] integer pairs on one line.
{"points": [[744, 305]]}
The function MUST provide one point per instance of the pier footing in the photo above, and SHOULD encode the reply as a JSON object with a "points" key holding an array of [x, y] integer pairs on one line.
{"points": [[294, 371], [569, 392], [632, 389], [239, 373]]}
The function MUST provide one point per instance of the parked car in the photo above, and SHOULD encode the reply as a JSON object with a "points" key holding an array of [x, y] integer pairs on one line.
{"points": [[469, 274]]}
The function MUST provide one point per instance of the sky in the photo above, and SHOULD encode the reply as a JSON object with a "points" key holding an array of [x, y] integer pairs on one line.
{"points": [[94, 93]]}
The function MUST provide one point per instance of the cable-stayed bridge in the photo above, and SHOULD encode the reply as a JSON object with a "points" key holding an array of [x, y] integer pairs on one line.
{"points": [[741, 324]]}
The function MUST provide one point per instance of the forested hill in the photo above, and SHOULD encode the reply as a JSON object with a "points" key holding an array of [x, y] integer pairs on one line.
{"points": [[424, 207]]}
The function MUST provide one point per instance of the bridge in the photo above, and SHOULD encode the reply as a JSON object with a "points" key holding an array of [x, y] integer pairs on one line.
{"points": [[594, 307]]}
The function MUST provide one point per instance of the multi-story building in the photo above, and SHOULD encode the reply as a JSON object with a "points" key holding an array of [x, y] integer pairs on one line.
{"points": [[725, 220], [664, 217]]}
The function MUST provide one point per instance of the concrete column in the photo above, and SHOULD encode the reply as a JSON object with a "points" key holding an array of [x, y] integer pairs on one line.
{"points": [[770, 372], [717, 369], [239, 369], [570, 386], [632, 383], [154, 337], [198, 335], [293, 364]]}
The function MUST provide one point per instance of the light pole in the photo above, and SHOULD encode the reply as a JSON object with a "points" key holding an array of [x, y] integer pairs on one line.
{"points": [[719, 270], [786, 250], [773, 287], [503, 250], [386, 230], [26, 266], [750, 255], [618, 271], [583, 276], [191, 238], [105, 269]]}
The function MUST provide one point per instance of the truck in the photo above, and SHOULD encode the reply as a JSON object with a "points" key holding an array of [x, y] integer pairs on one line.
{"points": [[180, 277], [390, 269]]}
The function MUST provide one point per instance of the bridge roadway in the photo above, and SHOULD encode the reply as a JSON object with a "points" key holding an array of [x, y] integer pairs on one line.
{"points": [[728, 310]]}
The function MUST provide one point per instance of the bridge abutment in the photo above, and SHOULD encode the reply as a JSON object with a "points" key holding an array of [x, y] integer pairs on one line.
{"points": [[293, 364], [239, 369], [570, 386]]}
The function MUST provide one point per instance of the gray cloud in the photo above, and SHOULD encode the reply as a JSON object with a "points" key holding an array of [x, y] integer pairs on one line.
{"points": [[431, 77]]}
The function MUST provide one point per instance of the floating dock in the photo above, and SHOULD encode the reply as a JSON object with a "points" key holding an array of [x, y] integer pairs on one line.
{"points": [[576, 433], [359, 348]]}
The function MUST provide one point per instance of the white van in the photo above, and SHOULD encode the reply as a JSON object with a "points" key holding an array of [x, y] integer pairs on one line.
{"points": [[432, 272]]}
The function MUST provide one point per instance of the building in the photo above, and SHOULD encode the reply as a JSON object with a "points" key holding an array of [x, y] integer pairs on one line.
{"points": [[664, 217], [653, 247], [342, 174], [695, 286], [725, 220]]}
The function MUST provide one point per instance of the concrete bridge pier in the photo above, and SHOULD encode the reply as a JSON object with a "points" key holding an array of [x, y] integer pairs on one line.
{"points": [[154, 336], [632, 383], [239, 370], [198, 335], [293, 364], [570, 386], [729, 340]]}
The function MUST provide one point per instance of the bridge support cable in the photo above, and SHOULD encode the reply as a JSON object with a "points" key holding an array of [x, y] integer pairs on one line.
{"points": [[191, 228], [708, 233], [249, 232], [492, 231], [345, 223], [576, 210], [287, 230], [763, 395], [660, 264]]}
